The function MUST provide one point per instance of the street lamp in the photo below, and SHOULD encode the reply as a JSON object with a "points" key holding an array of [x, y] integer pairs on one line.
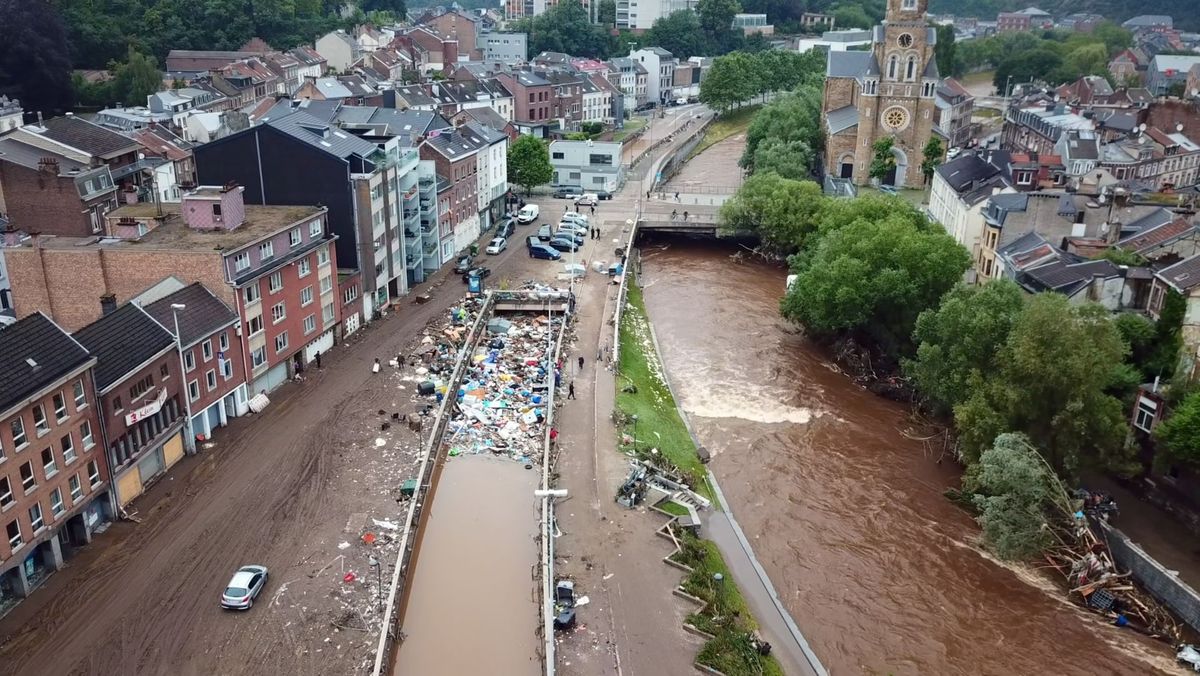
{"points": [[189, 434], [374, 563], [635, 433]]}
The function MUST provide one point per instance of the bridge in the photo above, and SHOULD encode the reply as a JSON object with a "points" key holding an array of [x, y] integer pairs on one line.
{"points": [[701, 218]]}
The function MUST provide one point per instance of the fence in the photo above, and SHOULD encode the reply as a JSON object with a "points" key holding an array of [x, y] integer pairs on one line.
{"points": [[547, 519], [432, 451], [1160, 582]]}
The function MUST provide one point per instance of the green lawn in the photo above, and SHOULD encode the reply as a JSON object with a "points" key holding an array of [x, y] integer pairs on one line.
{"points": [[673, 508], [727, 617], [974, 79], [917, 197], [727, 125], [631, 127], [658, 424]]}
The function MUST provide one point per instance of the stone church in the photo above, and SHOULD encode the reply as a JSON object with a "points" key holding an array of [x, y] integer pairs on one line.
{"points": [[887, 91]]}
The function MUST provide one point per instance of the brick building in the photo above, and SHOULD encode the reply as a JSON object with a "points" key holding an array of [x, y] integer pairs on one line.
{"points": [[533, 102], [454, 154], [48, 190], [53, 489]]}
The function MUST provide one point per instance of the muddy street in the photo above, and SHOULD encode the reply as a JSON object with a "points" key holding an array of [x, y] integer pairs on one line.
{"points": [[878, 569]]}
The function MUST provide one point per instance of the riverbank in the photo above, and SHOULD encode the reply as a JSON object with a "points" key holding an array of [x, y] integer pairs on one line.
{"points": [[643, 392]]}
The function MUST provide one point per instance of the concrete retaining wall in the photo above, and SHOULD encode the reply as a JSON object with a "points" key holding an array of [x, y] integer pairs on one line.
{"points": [[1164, 586]]}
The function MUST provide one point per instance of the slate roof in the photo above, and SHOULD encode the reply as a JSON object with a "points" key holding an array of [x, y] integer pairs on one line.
{"points": [[204, 315], [1067, 278], [393, 121], [964, 170], [415, 95], [122, 341], [322, 135], [51, 350], [1182, 276], [457, 144], [841, 119], [487, 116], [89, 137], [851, 64], [1156, 236]]}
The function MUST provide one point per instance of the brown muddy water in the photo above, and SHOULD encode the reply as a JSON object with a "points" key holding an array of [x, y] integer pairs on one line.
{"points": [[882, 573], [473, 608]]}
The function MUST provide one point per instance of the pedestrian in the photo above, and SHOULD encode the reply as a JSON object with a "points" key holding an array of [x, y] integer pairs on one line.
{"points": [[676, 196], [593, 209], [581, 363], [566, 208], [685, 215], [674, 214], [375, 367], [647, 194], [317, 358], [571, 390]]}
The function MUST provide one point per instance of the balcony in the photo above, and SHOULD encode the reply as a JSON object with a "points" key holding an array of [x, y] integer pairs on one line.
{"points": [[430, 249], [426, 182], [411, 215]]}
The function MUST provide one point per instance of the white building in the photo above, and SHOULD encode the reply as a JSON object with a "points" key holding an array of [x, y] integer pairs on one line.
{"points": [[597, 103], [835, 41], [588, 165], [641, 14], [339, 49], [660, 72], [11, 114], [960, 191], [506, 48]]}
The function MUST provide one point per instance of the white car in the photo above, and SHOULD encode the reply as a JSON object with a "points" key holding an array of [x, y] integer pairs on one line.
{"points": [[242, 589], [528, 213], [574, 227], [575, 217], [497, 245], [587, 199], [953, 153]]}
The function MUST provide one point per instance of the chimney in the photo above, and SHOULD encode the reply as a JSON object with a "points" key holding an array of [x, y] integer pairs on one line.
{"points": [[108, 304]]}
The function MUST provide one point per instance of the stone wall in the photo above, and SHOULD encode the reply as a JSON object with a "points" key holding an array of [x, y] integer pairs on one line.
{"points": [[1160, 582]]}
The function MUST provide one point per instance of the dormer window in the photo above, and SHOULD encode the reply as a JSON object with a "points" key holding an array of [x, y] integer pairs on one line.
{"points": [[908, 4]]}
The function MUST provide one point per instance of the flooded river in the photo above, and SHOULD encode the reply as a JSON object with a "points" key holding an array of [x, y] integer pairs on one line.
{"points": [[473, 609], [879, 570]]}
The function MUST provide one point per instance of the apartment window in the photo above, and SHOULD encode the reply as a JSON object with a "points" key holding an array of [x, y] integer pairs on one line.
{"points": [[35, 517], [223, 341], [141, 387], [310, 324], [68, 449], [1146, 410], [304, 268], [206, 349], [241, 262], [85, 433], [193, 390], [314, 229], [18, 433], [216, 209], [258, 357], [117, 407], [80, 397], [60, 406], [164, 372], [306, 296], [56, 503], [326, 283], [94, 473], [28, 482], [600, 159], [39, 420], [226, 369], [350, 294], [210, 379], [255, 325], [323, 256], [266, 251], [327, 312], [294, 237], [49, 465], [281, 342], [13, 530], [76, 489], [278, 312], [6, 496], [251, 293], [276, 283], [189, 360], [558, 156]]}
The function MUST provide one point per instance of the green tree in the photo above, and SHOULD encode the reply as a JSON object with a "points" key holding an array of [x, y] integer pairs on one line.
{"points": [[851, 16], [883, 160], [1180, 433], [136, 79], [781, 211], [959, 341], [790, 159], [874, 277], [566, 27], [1089, 59], [679, 33], [1019, 498], [1032, 66], [1051, 381], [395, 7], [787, 130], [945, 51], [529, 163], [931, 157], [606, 12], [1113, 36], [34, 64], [716, 19], [732, 80]]}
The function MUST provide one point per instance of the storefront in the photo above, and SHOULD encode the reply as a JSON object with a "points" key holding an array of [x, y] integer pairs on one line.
{"points": [[218, 413], [133, 480]]}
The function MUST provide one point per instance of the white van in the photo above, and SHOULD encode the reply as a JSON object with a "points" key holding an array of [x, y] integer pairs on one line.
{"points": [[528, 213]]}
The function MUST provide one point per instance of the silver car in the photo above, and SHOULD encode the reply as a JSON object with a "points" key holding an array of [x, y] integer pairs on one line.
{"points": [[242, 589]]}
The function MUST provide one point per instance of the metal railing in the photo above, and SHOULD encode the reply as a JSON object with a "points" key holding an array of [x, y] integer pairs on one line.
{"points": [[547, 520]]}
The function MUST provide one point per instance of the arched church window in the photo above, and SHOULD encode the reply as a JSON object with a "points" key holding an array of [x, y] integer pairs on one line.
{"points": [[892, 62], [911, 72]]}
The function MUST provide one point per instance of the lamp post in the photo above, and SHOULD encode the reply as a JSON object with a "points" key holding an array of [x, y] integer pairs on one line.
{"points": [[635, 433], [189, 439], [374, 563]]}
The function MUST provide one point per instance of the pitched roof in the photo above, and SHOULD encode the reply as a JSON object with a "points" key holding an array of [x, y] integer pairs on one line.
{"points": [[487, 116], [458, 143], [34, 354], [1152, 237], [162, 142], [851, 64], [1182, 276], [89, 137], [323, 135], [842, 119], [203, 315], [122, 341], [1067, 278]]}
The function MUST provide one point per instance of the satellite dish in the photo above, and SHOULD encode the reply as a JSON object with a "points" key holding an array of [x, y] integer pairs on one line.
{"points": [[1179, 127]]}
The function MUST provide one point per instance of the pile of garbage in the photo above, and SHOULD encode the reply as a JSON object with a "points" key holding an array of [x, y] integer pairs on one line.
{"points": [[501, 404]]}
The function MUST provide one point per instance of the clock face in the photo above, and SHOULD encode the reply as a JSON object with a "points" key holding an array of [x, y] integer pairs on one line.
{"points": [[905, 40]]}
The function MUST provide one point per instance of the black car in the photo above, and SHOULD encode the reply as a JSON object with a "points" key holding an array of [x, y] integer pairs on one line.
{"points": [[479, 272], [563, 244], [463, 264], [568, 193]]}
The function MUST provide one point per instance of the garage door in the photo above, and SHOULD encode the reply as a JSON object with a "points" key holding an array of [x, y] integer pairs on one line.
{"points": [[322, 344], [173, 449], [151, 465], [129, 486], [274, 377]]}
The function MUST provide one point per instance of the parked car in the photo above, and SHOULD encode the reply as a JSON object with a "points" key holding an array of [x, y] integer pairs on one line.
{"points": [[528, 213], [245, 585], [568, 193], [532, 241], [564, 244], [582, 228], [575, 217], [587, 199], [506, 227], [480, 272], [604, 194], [953, 153], [463, 264], [577, 237], [497, 245], [544, 252], [544, 233], [693, 99]]}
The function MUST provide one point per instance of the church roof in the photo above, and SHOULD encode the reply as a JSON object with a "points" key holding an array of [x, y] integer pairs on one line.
{"points": [[842, 119], [851, 64], [931, 71]]}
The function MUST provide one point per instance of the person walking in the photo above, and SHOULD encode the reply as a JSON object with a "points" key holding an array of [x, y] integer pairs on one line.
{"points": [[674, 214], [685, 215], [581, 362], [571, 390], [593, 209], [676, 196], [317, 358]]}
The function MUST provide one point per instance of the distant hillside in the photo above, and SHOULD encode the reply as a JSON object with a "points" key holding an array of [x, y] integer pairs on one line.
{"points": [[1184, 11]]}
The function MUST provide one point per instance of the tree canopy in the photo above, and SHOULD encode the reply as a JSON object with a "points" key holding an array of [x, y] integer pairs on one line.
{"points": [[566, 27], [34, 64], [529, 162], [787, 135], [781, 211], [679, 33]]}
